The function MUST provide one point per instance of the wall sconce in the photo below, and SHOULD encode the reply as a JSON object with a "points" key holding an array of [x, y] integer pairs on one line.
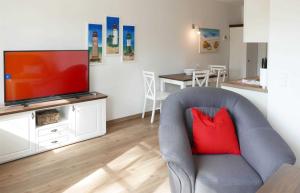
{"points": [[225, 38], [196, 28]]}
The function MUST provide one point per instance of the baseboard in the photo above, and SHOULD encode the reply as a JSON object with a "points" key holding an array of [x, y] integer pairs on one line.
{"points": [[131, 117]]}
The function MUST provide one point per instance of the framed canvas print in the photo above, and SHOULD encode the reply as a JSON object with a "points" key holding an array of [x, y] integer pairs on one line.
{"points": [[209, 40], [95, 43], [112, 35], [128, 43]]}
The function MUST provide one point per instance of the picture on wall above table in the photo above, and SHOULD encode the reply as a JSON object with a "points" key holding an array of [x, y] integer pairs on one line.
{"points": [[112, 35], [95, 43], [128, 43], [209, 40]]}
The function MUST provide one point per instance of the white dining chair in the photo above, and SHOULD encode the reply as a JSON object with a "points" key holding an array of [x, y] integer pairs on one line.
{"points": [[219, 70], [151, 93], [200, 78]]}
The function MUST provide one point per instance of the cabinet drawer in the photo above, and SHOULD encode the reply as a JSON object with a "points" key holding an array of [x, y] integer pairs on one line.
{"points": [[52, 130], [54, 136], [53, 143]]}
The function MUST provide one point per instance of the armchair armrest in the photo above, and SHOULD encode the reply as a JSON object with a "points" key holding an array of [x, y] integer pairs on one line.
{"points": [[175, 147], [265, 150], [260, 144]]}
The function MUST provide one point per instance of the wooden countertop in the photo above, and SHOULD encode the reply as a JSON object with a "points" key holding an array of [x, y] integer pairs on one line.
{"points": [[7, 110], [239, 84]]}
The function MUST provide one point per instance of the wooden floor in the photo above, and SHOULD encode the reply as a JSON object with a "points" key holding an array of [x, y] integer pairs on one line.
{"points": [[126, 160]]}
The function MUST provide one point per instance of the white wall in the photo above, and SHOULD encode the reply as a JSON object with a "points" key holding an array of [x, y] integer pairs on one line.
{"points": [[165, 41], [256, 20], [284, 71], [238, 54], [236, 15]]}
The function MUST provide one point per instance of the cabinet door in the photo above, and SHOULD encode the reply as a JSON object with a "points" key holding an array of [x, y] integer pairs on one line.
{"points": [[252, 57], [17, 136], [90, 119]]}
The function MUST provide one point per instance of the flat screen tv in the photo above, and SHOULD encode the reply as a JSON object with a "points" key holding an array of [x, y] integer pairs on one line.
{"points": [[32, 76]]}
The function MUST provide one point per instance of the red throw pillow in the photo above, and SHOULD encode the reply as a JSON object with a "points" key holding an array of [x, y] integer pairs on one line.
{"points": [[214, 135]]}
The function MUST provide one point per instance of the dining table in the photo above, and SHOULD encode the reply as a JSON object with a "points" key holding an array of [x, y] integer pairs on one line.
{"points": [[182, 80]]}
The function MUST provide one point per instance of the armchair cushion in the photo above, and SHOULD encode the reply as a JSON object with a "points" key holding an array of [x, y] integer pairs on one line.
{"points": [[225, 174], [211, 111], [214, 135]]}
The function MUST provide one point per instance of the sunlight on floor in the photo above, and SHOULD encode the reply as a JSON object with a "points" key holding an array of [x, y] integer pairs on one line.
{"points": [[90, 182], [126, 159], [130, 172], [163, 188]]}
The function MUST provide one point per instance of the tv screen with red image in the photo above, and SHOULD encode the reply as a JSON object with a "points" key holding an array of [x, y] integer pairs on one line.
{"points": [[33, 75]]}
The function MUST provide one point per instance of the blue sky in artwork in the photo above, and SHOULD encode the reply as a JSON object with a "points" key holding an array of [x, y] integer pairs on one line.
{"points": [[210, 33], [95, 28], [130, 30], [110, 21]]}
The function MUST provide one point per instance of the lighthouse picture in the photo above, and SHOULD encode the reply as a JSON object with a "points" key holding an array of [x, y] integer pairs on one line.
{"points": [[112, 37], [115, 40], [95, 43], [128, 43]]}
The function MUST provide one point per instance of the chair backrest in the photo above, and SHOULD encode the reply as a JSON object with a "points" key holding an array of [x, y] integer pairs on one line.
{"points": [[219, 71], [149, 84], [214, 68], [200, 78]]}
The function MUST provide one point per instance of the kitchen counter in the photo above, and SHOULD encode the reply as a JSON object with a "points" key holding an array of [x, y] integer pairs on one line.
{"points": [[243, 85], [250, 89]]}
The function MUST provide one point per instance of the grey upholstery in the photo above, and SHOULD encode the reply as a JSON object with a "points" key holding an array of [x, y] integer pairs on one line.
{"points": [[262, 150], [214, 170]]}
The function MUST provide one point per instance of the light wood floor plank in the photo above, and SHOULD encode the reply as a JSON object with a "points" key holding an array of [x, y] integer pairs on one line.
{"points": [[126, 160]]}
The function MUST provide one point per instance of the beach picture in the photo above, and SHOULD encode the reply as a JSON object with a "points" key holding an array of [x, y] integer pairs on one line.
{"points": [[95, 43], [209, 40], [112, 35], [128, 43]]}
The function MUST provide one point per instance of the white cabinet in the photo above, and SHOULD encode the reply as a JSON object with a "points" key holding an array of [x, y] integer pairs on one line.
{"points": [[17, 136], [85, 115], [21, 137], [256, 20]]}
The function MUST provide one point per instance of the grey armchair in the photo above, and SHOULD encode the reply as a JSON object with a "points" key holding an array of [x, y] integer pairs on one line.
{"points": [[263, 151]]}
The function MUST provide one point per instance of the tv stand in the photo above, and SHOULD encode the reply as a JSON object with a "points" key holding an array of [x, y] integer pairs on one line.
{"points": [[26, 105], [86, 94], [81, 119]]}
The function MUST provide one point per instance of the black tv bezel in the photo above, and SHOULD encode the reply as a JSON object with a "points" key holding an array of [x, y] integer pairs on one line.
{"points": [[48, 98]]}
